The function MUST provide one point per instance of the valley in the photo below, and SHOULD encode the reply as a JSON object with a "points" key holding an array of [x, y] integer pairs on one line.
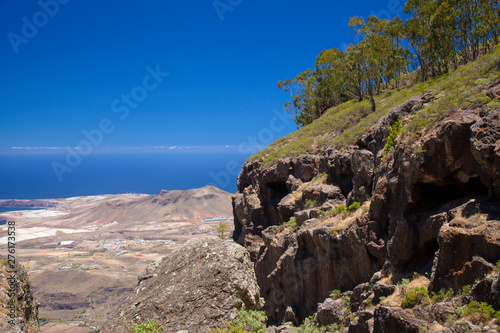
{"points": [[84, 254]]}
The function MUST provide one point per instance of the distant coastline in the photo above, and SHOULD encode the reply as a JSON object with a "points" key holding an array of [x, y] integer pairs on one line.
{"points": [[13, 209]]}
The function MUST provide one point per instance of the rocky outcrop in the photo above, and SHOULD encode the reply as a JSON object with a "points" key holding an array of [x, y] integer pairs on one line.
{"points": [[199, 287], [19, 308], [433, 210], [396, 320]]}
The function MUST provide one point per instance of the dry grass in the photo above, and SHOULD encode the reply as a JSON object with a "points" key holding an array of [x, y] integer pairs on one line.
{"points": [[396, 298], [468, 222]]}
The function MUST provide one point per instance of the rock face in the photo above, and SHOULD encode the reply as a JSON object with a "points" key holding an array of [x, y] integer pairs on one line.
{"points": [[433, 209], [196, 288], [19, 309]]}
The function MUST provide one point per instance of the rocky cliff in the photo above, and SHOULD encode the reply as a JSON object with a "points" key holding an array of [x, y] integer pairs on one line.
{"points": [[360, 219], [18, 307]]}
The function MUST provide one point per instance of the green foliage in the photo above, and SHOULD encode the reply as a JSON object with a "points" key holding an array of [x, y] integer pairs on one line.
{"points": [[404, 283], [375, 61], [442, 33], [151, 326], [309, 204], [292, 224], [497, 266], [339, 209], [344, 123], [392, 133], [222, 229], [415, 296], [335, 294], [465, 290], [320, 179], [369, 301], [442, 295], [314, 328], [483, 310], [245, 321], [354, 206]]}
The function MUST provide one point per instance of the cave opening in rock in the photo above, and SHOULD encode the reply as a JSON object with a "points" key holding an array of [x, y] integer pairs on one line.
{"points": [[424, 259], [431, 196], [277, 191]]}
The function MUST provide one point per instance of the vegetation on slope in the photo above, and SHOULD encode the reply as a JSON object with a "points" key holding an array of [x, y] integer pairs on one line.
{"points": [[341, 126], [438, 36]]}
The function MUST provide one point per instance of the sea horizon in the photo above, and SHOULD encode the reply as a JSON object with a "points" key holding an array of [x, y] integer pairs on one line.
{"points": [[28, 176]]}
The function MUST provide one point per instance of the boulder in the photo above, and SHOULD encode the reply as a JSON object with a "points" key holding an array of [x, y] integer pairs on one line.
{"points": [[331, 311], [396, 320], [363, 168], [363, 323], [199, 287]]}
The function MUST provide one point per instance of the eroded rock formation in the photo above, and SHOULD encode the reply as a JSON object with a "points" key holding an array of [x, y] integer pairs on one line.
{"points": [[18, 306], [433, 210]]}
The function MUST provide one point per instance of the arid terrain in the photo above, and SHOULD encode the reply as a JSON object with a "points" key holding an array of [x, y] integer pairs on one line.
{"points": [[84, 253]]}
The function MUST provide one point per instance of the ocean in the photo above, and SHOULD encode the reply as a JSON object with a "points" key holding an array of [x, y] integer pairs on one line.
{"points": [[32, 176]]}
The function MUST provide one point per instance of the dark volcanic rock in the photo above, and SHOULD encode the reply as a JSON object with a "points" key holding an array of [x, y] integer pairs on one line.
{"points": [[464, 256], [22, 315], [363, 323], [396, 320], [485, 141], [196, 288], [424, 217], [301, 269], [331, 311], [363, 167]]}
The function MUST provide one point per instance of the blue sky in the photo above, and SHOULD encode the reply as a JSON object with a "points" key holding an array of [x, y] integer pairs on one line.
{"points": [[221, 85]]}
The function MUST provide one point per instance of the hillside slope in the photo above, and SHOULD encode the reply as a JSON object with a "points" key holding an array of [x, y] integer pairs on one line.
{"points": [[334, 206]]}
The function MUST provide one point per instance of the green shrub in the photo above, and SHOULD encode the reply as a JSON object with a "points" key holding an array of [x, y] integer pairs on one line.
{"points": [[441, 295], [340, 209], [245, 321], [335, 294], [354, 206], [415, 296], [404, 283], [392, 134], [321, 178], [292, 224], [484, 310], [152, 326], [314, 328], [465, 290], [309, 204]]}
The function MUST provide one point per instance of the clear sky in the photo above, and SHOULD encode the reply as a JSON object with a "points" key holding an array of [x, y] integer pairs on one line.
{"points": [[66, 68]]}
